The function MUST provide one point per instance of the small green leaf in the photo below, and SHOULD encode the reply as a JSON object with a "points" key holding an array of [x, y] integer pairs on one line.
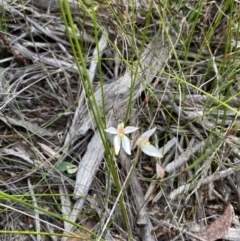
{"points": [[72, 170], [67, 167]]}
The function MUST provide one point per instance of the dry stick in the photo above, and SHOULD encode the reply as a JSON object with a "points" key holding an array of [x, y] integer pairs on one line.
{"points": [[220, 175], [140, 203], [36, 25], [136, 190], [184, 157], [27, 125], [56, 227], [36, 215], [65, 203], [200, 101], [61, 64]]}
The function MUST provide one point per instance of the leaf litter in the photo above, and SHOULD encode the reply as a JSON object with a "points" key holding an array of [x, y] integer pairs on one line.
{"points": [[219, 227], [45, 120]]}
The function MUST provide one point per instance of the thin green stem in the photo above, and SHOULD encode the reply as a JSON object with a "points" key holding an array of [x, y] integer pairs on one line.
{"points": [[120, 194]]}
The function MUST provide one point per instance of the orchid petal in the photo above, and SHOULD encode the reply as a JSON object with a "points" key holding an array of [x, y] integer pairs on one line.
{"points": [[160, 171], [149, 132], [120, 126], [117, 144], [126, 145], [151, 150], [141, 141], [112, 130], [130, 129]]}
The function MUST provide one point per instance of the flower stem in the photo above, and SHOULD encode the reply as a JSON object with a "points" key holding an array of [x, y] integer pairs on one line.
{"points": [[134, 164]]}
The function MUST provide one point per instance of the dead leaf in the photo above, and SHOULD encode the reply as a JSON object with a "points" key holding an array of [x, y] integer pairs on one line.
{"points": [[219, 227], [49, 151]]}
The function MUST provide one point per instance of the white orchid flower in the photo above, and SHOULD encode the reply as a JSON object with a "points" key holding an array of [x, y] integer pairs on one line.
{"points": [[145, 145], [121, 138]]}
